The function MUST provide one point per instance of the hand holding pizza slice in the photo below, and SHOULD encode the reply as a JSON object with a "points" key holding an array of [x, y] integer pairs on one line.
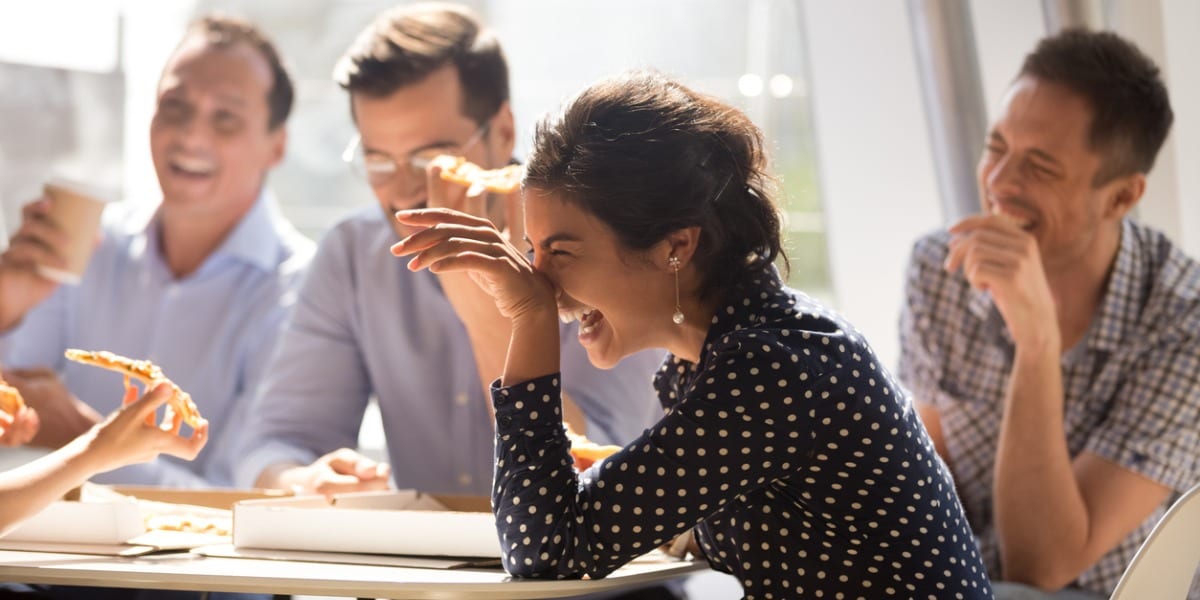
{"points": [[180, 408], [10, 399], [18, 422]]}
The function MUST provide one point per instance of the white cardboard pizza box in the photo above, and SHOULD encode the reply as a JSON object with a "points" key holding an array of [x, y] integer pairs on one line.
{"points": [[97, 519], [110, 521], [402, 522]]}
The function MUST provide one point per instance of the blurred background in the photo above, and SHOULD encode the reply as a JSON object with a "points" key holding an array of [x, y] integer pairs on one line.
{"points": [[874, 110]]}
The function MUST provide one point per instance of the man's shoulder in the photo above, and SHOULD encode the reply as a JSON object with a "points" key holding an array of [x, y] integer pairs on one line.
{"points": [[927, 275], [355, 249], [362, 228], [296, 250], [931, 248], [1173, 281]]}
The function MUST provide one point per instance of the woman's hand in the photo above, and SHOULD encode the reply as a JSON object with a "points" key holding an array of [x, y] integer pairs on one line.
{"points": [[454, 241], [126, 438]]}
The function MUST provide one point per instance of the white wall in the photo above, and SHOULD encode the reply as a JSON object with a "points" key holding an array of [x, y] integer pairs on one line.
{"points": [[150, 32], [1181, 46], [876, 166]]}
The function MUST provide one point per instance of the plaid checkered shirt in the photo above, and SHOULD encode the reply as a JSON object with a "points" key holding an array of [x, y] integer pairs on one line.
{"points": [[1131, 386]]}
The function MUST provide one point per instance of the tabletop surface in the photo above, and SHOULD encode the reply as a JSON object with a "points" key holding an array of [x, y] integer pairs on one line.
{"points": [[185, 571]]}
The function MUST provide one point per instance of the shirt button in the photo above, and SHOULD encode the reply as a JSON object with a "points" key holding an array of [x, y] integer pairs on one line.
{"points": [[461, 399], [505, 421], [465, 479]]}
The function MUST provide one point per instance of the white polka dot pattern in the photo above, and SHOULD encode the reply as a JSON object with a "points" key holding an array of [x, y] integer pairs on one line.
{"points": [[803, 469]]}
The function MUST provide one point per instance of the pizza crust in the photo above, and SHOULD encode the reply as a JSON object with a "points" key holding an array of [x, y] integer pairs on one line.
{"points": [[11, 401], [504, 180], [586, 452], [179, 406]]}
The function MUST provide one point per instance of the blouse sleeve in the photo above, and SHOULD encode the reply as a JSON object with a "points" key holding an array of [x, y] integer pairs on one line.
{"points": [[735, 431]]}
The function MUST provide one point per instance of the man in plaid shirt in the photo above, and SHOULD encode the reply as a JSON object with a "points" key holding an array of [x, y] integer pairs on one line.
{"points": [[1050, 343]]}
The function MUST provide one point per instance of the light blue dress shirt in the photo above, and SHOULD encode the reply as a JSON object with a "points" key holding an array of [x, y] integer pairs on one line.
{"points": [[364, 326], [211, 332]]}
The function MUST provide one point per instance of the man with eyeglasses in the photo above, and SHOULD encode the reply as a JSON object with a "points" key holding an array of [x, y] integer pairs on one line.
{"points": [[424, 80]]}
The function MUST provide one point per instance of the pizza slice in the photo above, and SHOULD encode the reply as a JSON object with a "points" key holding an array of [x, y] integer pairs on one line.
{"points": [[504, 180], [11, 401], [586, 452], [180, 407]]}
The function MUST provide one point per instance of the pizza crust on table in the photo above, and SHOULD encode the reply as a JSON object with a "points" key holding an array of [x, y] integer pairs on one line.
{"points": [[180, 408]]}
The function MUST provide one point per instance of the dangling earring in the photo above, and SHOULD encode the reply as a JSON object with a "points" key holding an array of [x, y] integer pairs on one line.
{"points": [[677, 317]]}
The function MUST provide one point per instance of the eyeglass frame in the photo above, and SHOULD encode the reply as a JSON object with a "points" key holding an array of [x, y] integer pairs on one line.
{"points": [[414, 162]]}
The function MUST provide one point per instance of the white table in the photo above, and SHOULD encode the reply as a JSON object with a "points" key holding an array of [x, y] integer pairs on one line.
{"points": [[193, 572]]}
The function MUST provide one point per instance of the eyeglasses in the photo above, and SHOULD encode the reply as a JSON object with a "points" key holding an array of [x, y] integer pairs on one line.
{"points": [[379, 168]]}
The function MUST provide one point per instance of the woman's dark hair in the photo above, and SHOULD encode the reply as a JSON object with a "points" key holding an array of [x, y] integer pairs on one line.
{"points": [[647, 156]]}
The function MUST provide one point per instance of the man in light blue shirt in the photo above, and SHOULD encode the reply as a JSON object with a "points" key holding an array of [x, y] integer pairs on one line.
{"points": [[423, 80], [200, 287]]}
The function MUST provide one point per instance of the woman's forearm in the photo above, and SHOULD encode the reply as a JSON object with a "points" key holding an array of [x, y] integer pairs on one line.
{"points": [[27, 489], [533, 350]]}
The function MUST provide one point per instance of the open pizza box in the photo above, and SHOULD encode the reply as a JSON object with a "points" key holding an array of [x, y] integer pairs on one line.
{"points": [[398, 527], [130, 521]]}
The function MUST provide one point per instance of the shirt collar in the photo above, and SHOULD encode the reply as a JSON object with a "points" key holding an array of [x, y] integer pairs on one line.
{"points": [[744, 306], [254, 240], [1124, 294]]}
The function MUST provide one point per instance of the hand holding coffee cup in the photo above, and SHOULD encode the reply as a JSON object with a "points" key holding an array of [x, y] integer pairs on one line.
{"points": [[53, 245], [75, 211]]}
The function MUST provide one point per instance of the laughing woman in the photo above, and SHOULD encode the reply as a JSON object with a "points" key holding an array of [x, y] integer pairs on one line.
{"points": [[785, 444]]}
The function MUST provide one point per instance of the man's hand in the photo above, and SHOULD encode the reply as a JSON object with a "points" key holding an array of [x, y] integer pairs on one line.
{"points": [[338, 472], [998, 256], [63, 417], [38, 242], [18, 429]]}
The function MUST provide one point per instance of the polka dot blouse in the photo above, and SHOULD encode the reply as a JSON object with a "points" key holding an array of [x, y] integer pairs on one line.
{"points": [[802, 466]]}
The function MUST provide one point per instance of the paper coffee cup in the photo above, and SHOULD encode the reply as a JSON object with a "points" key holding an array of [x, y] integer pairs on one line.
{"points": [[75, 208]]}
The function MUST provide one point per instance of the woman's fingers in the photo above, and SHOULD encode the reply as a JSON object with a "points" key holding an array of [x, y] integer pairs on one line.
{"points": [[429, 217], [471, 261], [454, 247], [434, 236], [144, 407]]}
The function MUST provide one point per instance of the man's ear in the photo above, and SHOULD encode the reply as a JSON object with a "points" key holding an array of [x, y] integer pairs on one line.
{"points": [[681, 244], [278, 145], [1126, 192], [503, 133]]}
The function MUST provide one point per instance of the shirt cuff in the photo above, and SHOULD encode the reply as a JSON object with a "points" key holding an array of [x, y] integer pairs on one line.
{"points": [[268, 454], [534, 405]]}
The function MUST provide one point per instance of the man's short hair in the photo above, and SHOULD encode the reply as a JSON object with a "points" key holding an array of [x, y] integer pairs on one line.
{"points": [[1131, 109], [404, 45], [224, 31]]}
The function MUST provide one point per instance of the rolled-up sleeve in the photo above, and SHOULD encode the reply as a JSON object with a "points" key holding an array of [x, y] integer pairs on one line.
{"points": [[1151, 428]]}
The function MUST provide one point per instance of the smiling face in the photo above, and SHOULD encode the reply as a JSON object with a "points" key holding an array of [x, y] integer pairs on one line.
{"points": [[419, 117], [210, 138], [623, 300], [1038, 169]]}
